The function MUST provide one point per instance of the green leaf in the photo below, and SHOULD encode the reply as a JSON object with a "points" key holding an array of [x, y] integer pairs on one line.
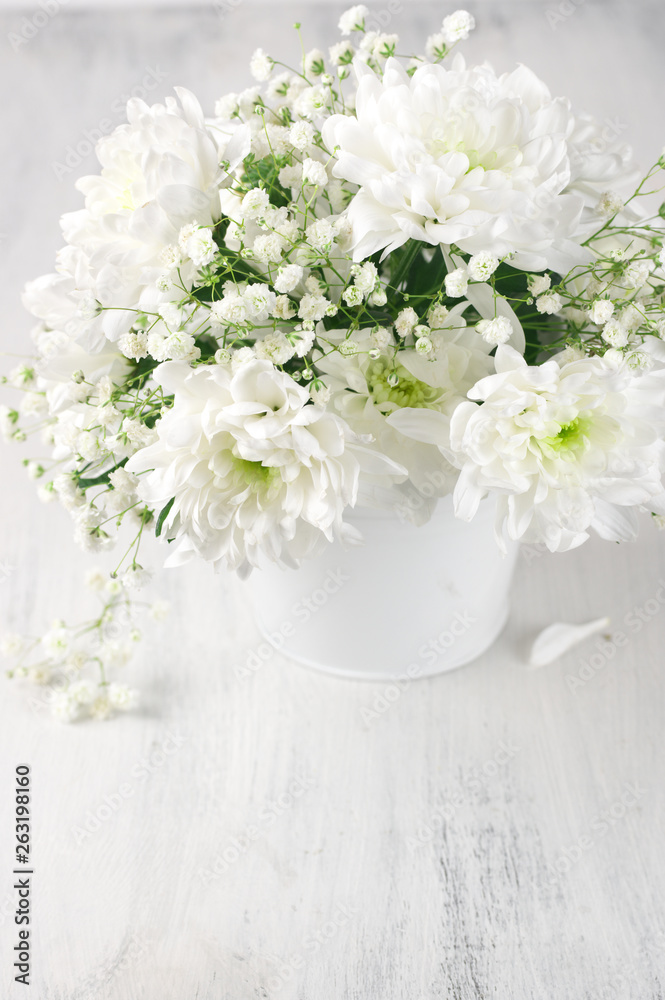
{"points": [[164, 513]]}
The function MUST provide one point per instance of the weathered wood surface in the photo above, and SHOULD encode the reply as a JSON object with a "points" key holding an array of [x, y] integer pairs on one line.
{"points": [[492, 833]]}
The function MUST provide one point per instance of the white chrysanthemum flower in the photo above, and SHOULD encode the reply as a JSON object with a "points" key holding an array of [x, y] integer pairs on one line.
{"points": [[389, 392], [459, 156], [353, 19], [564, 448], [252, 470], [160, 171]]}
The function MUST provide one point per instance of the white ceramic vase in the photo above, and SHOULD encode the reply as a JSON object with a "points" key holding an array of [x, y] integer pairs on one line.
{"points": [[410, 602]]}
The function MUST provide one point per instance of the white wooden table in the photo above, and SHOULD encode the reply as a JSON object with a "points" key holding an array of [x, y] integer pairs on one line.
{"points": [[492, 833]]}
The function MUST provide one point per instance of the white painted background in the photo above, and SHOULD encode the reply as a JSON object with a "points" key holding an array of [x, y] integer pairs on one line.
{"points": [[437, 844]]}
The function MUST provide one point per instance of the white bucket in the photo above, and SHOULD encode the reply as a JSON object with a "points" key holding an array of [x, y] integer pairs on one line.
{"points": [[410, 602]]}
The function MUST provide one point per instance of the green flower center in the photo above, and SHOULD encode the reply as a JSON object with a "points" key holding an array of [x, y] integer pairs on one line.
{"points": [[408, 391], [258, 477], [572, 438]]}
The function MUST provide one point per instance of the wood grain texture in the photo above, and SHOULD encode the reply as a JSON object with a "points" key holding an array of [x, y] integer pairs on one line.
{"points": [[493, 833]]}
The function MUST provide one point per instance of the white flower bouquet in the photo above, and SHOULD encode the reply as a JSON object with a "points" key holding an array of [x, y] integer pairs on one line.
{"points": [[361, 277]]}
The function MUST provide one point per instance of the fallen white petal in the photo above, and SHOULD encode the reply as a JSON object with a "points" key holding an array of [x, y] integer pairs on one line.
{"points": [[557, 639]]}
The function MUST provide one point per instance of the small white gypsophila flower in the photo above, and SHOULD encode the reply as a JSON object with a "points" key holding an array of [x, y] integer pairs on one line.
{"points": [[122, 697], [12, 644], [458, 26], [406, 320], [378, 297], [226, 106], [288, 277], [550, 303], [64, 707], [384, 45], [365, 277], [615, 334], [304, 343], [341, 54], [269, 248], [101, 708], [200, 247], [124, 481], [320, 393], [254, 204], [424, 345], [171, 256], [96, 579], [314, 63], [381, 338], [457, 283], [637, 273], [314, 173], [82, 691], [275, 347], [601, 311], [437, 316], [134, 345], [229, 310], [159, 610], [313, 307], [353, 19], [495, 331], [136, 577], [261, 65], [435, 46], [260, 301], [482, 266], [609, 204], [283, 308], [301, 135], [353, 296], [538, 283], [56, 643]]}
